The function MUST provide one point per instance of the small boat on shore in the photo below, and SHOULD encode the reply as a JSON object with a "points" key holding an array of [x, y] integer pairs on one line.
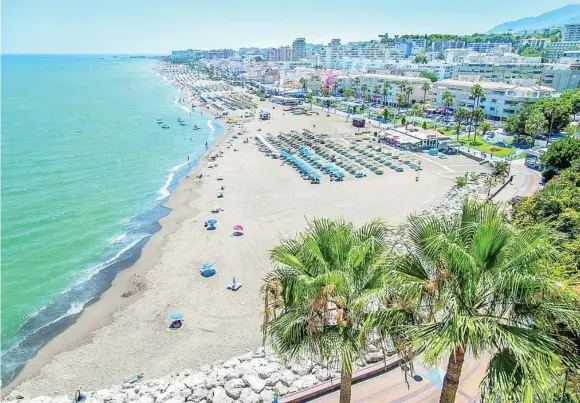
{"points": [[165, 126]]}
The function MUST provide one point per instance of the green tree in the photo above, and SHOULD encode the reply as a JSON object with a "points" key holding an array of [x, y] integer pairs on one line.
{"points": [[421, 59], [316, 297], [475, 282], [387, 114], [425, 87], [348, 92], [554, 110], [430, 76], [500, 171], [309, 99], [461, 116], [536, 125], [335, 88], [363, 89], [416, 110], [477, 93], [424, 125], [561, 154], [404, 121], [377, 90], [303, 83], [477, 116], [356, 82], [448, 99], [485, 127], [386, 90], [401, 100], [408, 92]]}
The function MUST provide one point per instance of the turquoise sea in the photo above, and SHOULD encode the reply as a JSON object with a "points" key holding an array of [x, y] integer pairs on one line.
{"points": [[78, 206]]}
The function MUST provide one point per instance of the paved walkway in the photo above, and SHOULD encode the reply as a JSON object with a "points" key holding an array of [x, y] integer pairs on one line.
{"points": [[525, 183], [391, 387]]}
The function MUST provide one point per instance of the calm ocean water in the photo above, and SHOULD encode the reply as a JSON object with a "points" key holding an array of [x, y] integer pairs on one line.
{"points": [[78, 206]]}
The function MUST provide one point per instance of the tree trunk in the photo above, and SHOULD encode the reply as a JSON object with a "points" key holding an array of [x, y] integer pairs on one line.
{"points": [[345, 386], [451, 381], [550, 131]]}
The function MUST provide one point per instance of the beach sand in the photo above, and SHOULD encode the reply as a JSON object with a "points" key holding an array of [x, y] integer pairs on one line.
{"points": [[118, 337]]}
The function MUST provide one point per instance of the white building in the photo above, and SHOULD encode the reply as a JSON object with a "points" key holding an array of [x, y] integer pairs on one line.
{"points": [[500, 100], [571, 32], [298, 49], [373, 80], [484, 47], [556, 49], [535, 42]]}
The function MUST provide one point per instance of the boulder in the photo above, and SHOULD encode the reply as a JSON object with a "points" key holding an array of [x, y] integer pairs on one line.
{"points": [[254, 382], [234, 387], [231, 363], [322, 375], [205, 369], [267, 396], [304, 382], [249, 396], [273, 379], [287, 377], [301, 369], [246, 357], [259, 353], [146, 399], [196, 379], [267, 370], [198, 393], [219, 395], [374, 357], [281, 388], [232, 373]]}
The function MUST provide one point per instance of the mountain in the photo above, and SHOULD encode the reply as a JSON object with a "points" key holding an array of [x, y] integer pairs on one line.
{"points": [[565, 15]]}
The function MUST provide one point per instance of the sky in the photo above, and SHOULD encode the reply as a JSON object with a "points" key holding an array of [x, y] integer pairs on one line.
{"points": [[157, 27]]}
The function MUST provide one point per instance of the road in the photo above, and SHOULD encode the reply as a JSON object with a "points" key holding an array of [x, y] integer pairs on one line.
{"points": [[391, 387], [525, 183]]}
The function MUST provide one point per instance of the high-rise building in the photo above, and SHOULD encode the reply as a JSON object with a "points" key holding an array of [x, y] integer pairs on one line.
{"points": [[571, 32], [298, 51], [273, 55], [284, 53], [334, 43]]}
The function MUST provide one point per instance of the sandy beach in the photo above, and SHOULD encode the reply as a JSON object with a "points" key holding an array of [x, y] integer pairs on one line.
{"points": [[125, 332]]}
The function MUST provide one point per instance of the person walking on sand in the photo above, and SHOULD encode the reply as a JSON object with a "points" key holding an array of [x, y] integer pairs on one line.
{"points": [[206, 145]]}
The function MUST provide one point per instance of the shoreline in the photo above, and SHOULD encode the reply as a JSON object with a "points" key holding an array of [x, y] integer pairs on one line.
{"points": [[117, 337], [118, 274]]}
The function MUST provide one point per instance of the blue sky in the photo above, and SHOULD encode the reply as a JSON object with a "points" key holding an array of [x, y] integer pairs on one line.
{"points": [[157, 27]]}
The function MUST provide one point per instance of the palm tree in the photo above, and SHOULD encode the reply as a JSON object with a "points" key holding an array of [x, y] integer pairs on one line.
{"points": [[308, 98], [335, 88], [475, 282], [367, 97], [315, 300], [536, 125], [448, 99], [425, 87], [477, 116], [303, 83], [356, 83], [553, 109], [376, 90], [485, 127], [400, 101], [408, 92], [363, 89], [387, 114], [476, 93], [386, 91], [461, 115]]}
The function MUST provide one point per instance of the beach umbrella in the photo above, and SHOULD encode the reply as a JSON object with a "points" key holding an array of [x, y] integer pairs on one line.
{"points": [[211, 221], [239, 227], [176, 316]]}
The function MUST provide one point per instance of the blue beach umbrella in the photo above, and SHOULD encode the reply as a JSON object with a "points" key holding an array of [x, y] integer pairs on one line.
{"points": [[176, 316], [212, 221]]}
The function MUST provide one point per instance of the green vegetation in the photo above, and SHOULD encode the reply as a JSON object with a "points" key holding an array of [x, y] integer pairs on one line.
{"points": [[484, 147], [555, 111], [562, 154], [421, 59], [430, 76], [461, 181], [316, 299]]}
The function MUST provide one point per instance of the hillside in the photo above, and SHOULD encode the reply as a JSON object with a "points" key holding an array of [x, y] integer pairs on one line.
{"points": [[554, 18]]}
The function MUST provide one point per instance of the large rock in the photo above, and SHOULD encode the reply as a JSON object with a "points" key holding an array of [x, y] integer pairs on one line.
{"points": [[198, 393], [305, 382], [301, 369], [267, 370], [273, 379], [281, 388], [322, 374], [259, 353], [219, 395], [254, 382], [246, 357], [196, 379], [231, 363], [374, 357], [249, 396], [287, 377], [232, 373], [234, 387], [267, 396], [146, 399]]}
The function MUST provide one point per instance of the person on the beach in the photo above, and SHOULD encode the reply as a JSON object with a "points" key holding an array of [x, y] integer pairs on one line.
{"points": [[79, 397], [176, 324], [206, 145]]}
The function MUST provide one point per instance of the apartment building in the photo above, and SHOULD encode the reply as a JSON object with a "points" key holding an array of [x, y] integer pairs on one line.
{"points": [[373, 80], [284, 53], [554, 50], [535, 42], [500, 101], [298, 49], [563, 78], [440, 46], [500, 72], [571, 33], [485, 47]]}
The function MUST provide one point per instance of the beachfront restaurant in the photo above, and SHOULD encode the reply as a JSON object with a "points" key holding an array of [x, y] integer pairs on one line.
{"points": [[290, 101]]}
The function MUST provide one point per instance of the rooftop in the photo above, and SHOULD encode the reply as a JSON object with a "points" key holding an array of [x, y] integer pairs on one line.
{"points": [[487, 85]]}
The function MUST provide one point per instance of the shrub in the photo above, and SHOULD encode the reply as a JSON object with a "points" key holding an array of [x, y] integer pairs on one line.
{"points": [[461, 181]]}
